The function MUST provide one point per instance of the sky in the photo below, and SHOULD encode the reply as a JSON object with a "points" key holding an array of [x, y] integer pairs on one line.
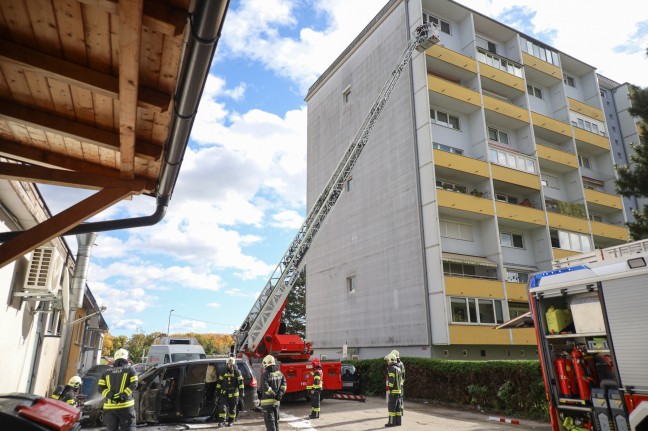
{"points": [[240, 196]]}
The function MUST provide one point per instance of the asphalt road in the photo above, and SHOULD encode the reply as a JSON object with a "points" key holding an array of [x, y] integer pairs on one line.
{"points": [[347, 415]]}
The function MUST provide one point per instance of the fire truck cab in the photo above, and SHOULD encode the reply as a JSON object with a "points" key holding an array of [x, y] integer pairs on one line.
{"points": [[591, 317]]}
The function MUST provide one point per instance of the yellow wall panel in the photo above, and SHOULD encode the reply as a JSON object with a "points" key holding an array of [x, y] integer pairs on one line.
{"points": [[477, 334], [585, 109], [514, 176], [465, 202], [505, 108], [551, 124], [461, 163], [559, 253], [610, 231], [453, 90], [520, 213], [476, 287], [449, 56], [517, 291], [501, 76], [565, 222], [542, 66], [592, 138], [594, 196], [525, 337], [562, 157]]}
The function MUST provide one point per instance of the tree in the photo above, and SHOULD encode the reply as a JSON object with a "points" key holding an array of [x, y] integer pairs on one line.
{"points": [[633, 179], [107, 348], [294, 314]]}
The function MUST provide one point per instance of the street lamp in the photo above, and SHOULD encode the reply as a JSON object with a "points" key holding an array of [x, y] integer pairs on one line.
{"points": [[169, 325]]}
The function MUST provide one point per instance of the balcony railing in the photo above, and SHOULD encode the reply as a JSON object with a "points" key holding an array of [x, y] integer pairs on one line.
{"points": [[566, 208]]}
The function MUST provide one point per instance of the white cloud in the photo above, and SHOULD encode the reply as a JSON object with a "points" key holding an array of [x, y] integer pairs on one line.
{"points": [[287, 220], [129, 324], [214, 305], [187, 326]]}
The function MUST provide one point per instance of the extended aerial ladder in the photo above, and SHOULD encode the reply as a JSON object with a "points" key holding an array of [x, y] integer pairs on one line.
{"points": [[263, 319]]}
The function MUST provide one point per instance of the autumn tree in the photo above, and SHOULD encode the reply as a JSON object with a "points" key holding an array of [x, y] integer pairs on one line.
{"points": [[294, 314], [107, 348], [633, 178]]}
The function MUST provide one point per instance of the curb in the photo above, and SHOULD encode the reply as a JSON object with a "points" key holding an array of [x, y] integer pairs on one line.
{"points": [[504, 420]]}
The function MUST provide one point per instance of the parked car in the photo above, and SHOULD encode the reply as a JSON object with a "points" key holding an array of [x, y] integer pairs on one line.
{"points": [[26, 412], [178, 390], [350, 379]]}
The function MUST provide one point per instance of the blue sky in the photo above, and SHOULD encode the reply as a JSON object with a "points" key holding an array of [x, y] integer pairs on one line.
{"points": [[240, 196]]}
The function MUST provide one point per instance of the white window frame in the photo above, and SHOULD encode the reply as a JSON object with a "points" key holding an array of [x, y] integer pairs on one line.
{"points": [[507, 239], [471, 308], [498, 136], [447, 148], [434, 115], [534, 91], [442, 25], [513, 275], [584, 162], [447, 229], [453, 187], [509, 199], [550, 181], [512, 160], [569, 80], [573, 241]]}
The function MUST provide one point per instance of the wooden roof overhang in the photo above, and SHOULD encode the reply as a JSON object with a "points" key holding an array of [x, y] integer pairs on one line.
{"points": [[100, 95]]}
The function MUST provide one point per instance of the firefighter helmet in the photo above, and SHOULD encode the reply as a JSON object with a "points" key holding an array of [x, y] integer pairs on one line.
{"points": [[230, 361], [395, 353], [316, 362], [391, 358], [268, 360], [121, 354], [75, 381]]}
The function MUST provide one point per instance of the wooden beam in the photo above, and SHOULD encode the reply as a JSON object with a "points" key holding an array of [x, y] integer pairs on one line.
{"points": [[73, 129], [60, 223], [130, 42], [158, 16], [60, 177], [79, 76]]}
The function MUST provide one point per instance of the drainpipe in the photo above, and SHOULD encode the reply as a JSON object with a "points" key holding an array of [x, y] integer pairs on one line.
{"points": [[77, 292], [206, 24]]}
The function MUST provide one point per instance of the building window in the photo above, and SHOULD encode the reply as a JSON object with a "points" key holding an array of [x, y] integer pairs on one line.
{"points": [[506, 198], [508, 239], [447, 148], [541, 52], [584, 162], [459, 269], [603, 94], [550, 181], [512, 160], [444, 119], [441, 25], [445, 185], [349, 184], [595, 217], [346, 95], [476, 310], [570, 240], [517, 309], [351, 284], [496, 135], [515, 276], [534, 91], [569, 80], [454, 230]]}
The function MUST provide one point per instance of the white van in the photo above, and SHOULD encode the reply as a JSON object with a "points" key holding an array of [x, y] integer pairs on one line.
{"points": [[169, 349]]}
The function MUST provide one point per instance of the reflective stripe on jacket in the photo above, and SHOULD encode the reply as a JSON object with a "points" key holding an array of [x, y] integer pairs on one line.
{"points": [[274, 386], [230, 383], [394, 382], [115, 381], [66, 393], [316, 380]]}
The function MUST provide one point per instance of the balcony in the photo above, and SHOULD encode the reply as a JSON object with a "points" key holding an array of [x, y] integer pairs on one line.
{"points": [[593, 139], [569, 223], [559, 253], [607, 230], [477, 334], [514, 176], [500, 70], [604, 200], [559, 157], [506, 109], [542, 66], [453, 91], [551, 124], [566, 208], [464, 202], [520, 213], [517, 291], [461, 163], [452, 57], [585, 109], [464, 286]]}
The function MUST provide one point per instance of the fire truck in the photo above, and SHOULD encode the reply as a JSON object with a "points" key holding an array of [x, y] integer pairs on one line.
{"points": [[262, 332], [591, 318]]}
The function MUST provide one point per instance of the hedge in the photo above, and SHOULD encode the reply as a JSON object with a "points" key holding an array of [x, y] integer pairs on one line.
{"points": [[511, 387]]}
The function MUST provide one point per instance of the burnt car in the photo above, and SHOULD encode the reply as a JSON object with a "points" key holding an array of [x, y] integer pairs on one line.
{"points": [[178, 390], [350, 379], [27, 412], [90, 401]]}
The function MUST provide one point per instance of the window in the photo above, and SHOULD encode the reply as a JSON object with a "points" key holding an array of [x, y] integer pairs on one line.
{"points": [[569, 80], [534, 91], [476, 310], [459, 269], [442, 25], [512, 160], [346, 95], [498, 62], [351, 284], [498, 136], [603, 94], [349, 184], [515, 276], [517, 309], [447, 148], [511, 240], [542, 52], [550, 181], [570, 241], [584, 162], [454, 230], [445, 185], [506, 198], [444, 119], [595, 217]]}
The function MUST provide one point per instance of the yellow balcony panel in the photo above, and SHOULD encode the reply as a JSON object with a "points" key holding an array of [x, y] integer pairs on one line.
{"points": [[565, 222], [542, 66], [463, 202], [606, 199], [449, 56], [505, 108], [477, 334], [501, 76], [524, 336], [517, 292], [557, 156], [610, 231], [585, 109], [551, 124], [453, 90], [559, 253], [461, 163], [520, 213], [592, 138], [476, 287], [513, 176]]}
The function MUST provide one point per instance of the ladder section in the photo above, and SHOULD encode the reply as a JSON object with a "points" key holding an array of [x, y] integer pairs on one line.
{"points": [[276, 290]]}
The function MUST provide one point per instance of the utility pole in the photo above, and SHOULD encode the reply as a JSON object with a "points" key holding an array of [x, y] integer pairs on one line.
{"points": [[169, 324]]}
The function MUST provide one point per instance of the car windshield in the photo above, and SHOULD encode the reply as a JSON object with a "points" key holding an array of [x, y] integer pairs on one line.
{"points": [[187, 356]]}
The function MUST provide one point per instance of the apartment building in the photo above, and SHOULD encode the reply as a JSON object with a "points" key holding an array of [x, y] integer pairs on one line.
{"points": [[491, 158]]}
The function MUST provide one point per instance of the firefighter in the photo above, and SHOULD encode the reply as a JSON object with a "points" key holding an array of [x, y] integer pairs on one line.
{"points": [[401, 365], [116, 386], [229, 386], [273, 389], [394, 387], [315, 388], [68, 393]]}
